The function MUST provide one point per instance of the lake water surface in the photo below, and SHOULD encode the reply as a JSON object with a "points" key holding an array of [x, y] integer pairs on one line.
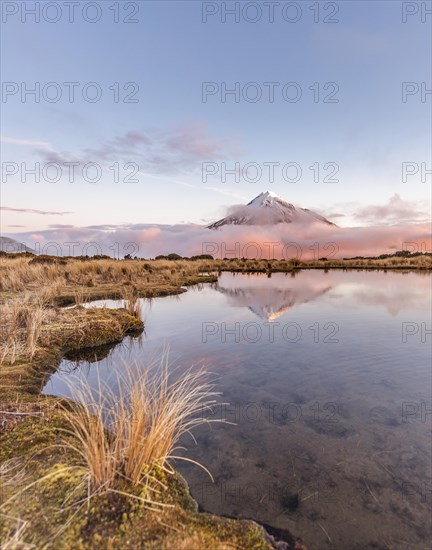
{"points": [[327, 377]]}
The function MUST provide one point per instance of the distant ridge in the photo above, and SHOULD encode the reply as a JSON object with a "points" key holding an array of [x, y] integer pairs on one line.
{"points": [[11, 245]]}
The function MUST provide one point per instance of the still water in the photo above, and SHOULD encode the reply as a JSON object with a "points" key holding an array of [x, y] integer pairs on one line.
{"points": [[327, 383]]}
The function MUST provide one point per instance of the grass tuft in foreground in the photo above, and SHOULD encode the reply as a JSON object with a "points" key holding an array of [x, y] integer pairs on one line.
{"points": [[132, 434], [21, 322]]}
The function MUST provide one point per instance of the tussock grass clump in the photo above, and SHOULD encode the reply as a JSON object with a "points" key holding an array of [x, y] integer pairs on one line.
{"points": [[132, 301], [79, 296], [20, 326], [131, 434]]}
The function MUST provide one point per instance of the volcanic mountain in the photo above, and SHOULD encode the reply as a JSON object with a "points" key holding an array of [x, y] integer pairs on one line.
{"points": [[269, 209]]}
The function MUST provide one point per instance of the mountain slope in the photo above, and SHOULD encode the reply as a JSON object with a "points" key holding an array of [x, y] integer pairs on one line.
{"points": [[269, 209], [11, 245]]}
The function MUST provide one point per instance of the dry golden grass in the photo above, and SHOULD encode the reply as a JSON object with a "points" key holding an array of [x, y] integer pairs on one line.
{"points": [[21, 322], [238, 264], [132, 301], [18, 274], [130, 435]]}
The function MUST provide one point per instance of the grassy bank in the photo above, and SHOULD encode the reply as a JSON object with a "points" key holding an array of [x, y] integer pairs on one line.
{"points": [[26, 363], [414, 263], [46, 504], [68, 281]]}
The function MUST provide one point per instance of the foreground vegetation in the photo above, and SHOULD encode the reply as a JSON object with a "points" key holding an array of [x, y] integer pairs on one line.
{"points": [[67, 482]]}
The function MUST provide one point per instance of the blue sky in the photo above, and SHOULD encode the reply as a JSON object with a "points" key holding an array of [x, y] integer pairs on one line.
{"points": [[169, 132]]}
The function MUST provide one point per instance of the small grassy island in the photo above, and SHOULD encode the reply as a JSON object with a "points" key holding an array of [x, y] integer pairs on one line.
{"points": [[66, 481]]}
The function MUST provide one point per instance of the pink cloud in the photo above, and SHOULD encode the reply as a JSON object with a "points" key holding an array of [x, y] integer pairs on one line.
{"points": [[396, 211], [194, 140], [284, 240], [166, 150]]}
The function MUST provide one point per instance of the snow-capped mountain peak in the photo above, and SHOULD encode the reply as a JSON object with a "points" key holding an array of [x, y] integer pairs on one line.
{"points": [[266, 198], [269, 209], [266, 195]]}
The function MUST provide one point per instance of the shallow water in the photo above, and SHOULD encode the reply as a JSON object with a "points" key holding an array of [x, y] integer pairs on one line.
{"points": [[328, 380]]}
